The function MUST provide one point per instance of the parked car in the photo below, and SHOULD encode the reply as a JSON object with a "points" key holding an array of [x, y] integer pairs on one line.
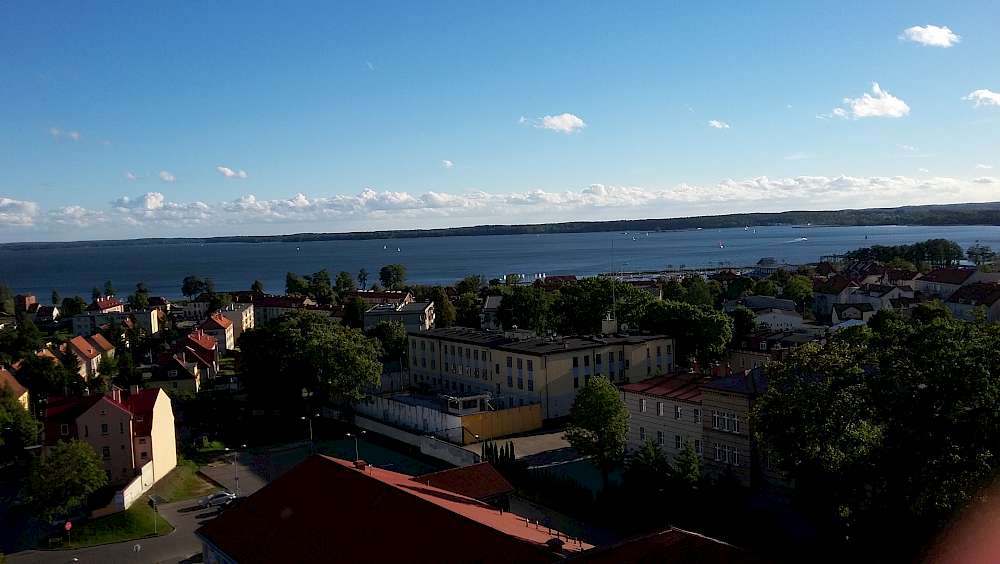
{"points": [[217, 499]]}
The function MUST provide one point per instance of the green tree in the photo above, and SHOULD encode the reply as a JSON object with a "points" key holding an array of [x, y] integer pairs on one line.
{"points": [[599, 425], [296, 285], [218, 302], [739, 287], [687, 467], [345, 284], [444, 311], [392, 276], [354, 313], [56, 300], [72, 306], [697, 291], [320, 287], [927, 312], [526, 307], [647, 470], [391, 336], [192, 286], [980, 254], [140, 299], [45, 378], [307, 354], [109, 289], [18, 429], [363, 278], [700, 333], [6, 299], [901, 263], [28, 338], [95, 294], [744, 322], [798, 289], [257, 287], [467, 310], [470, 284], [765, 287], [61, 481]]}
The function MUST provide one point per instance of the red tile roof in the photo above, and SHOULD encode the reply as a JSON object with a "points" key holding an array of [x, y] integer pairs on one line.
{"points": [[100, 343], [982, 293], [83, 347], [673, 546], [832, 285], [104, 304], [956, 276], [326, 508], [478, 481], [216, 322], [685, 387], [65, 410], [7, 380], [141, 405], [203, 340]]}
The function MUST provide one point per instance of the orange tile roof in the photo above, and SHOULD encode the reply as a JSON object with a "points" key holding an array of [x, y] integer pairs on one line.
{"points": [[478, 481], [325, 506], [100, 343], [216, 321], [7, 380], [203, 340], [84, 347]]}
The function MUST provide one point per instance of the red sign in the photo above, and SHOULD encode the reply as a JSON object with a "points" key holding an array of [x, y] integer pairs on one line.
{"points": [[69, 525]]}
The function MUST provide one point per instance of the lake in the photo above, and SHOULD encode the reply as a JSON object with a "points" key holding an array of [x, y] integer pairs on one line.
{"points": [[235, 266]]}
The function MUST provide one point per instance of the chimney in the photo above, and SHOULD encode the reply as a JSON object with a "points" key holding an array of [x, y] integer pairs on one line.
{"points": [[361, 465], [133, 389], [115, 393]]}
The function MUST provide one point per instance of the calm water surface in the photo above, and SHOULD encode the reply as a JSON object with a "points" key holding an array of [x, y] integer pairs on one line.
{"points": [[445, 259]]}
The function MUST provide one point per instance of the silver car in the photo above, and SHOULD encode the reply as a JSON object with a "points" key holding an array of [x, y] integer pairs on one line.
{"points": [[217, 499]]}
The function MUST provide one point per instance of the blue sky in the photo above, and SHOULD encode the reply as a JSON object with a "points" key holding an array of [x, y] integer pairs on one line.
{"points": [[124, 121]]}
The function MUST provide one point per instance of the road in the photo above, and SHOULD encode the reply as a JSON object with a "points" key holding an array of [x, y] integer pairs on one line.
{"points": [[179, 546]]}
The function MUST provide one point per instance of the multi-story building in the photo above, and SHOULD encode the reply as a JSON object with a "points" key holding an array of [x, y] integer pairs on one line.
{"points": [[221, 328], [242, 316], [667, 411], [520, 371], [375, 297], [91, 351], [146, 321], [125, 432], [415, 316], [107, 304]]}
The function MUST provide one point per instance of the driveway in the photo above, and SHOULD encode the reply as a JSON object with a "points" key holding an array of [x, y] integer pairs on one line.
{"points": [[179, 546]]}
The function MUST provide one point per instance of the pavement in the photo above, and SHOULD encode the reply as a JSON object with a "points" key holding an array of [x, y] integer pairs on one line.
{"points": [[180, 546], [250, 477], [538, 450]]}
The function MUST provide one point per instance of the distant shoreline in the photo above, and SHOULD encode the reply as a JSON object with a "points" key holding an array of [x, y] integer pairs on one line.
{"points": [[928, 215]]}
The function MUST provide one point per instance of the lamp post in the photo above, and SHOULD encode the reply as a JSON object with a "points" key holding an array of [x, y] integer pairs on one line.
{"points": [[357, 456], [309, 418], [236, 469]]}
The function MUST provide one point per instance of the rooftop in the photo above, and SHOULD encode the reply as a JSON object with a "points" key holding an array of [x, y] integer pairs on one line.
{"points": [[7, 380], [862, 307], [979, 294], [216, 322], [534, 345], [955, 276], [478, 481], [752, 382], [326, 506], [673, 546], [680, 386]]}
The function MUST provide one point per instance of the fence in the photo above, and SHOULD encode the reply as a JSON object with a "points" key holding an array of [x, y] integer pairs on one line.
{"points": [[125, 497]]}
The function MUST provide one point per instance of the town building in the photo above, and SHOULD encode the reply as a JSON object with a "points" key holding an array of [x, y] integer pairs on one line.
{"points": [[180, 373], [20, 393], [25, 302], [241, 314], [544, 370], [120, 429], [415, 316], [769, 312], [671, 546], [836, 289], [202, 348], [147, 322], [220, 328], [969, 301], [376, 297], [488, 318], [46, 314], [325, 508], [479, 481], [667, 411], [91, 351], [862, 312], [943, 282], [107, 304]]}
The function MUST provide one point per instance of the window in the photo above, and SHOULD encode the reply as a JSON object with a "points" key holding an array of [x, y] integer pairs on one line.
{"points": [[510, 362], [763, 345], [642, 405], [678, 411], [659, 408], [520, 383], [104, 428], [510, 380], [64, 429], [413, 344], [531, 384], [106, 453], [659, 438], [697, 415], [576, 362], [718, 452], [531, 368], [586, 361], [576, 382], [642, 433], [519, 364], [597, 359], [677, 442], [697, 447], [423, 345], [143, 455]]}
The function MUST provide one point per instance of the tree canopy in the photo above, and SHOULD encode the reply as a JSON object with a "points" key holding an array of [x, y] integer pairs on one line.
{"points": [[18, 429], [599, 424], [931, 251], [392, 276], [700, 333], [61, 481]]}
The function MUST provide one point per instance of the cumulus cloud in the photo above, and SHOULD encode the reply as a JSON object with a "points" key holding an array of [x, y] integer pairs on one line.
{"points": [[877, 104], [130, 176], [167, 176], [563, 123], [983, 97], [984, 166], [931, 35], [922, 170], [147, 201], [230, 173], [17, 212], [57, 133], [447, 164], [718, 124]]}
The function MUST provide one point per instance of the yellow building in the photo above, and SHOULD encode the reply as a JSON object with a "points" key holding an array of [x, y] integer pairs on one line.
{"points": [[518, 371], [7, 380]]}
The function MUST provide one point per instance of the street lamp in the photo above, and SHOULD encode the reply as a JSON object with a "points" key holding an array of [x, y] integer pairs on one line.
{"points": [[312, 446], [236, 469], [355, 437]]}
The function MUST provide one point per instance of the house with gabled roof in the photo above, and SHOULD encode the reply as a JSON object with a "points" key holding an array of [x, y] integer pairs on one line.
{"points": [[20, 393], [943, 282], [828, 291], [107, 304], [967, 301], [862, 312], [220, 328], [666, 410], [91, 351]]}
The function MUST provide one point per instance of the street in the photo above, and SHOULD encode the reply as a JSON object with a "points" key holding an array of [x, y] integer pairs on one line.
{"points": [[179, 546]]}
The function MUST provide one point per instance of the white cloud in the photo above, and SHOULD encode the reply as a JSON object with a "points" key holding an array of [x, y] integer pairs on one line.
{"points": [[147, 201], [983, 97], [563, 123], [17, 212], [797, 156], [985, 180], [166, 176], [57, 133], [984, 166], [447, 164], [230, 173], [718, 124], [931, 35], [130, 176], [877, 104], [909, 148], [922, 170]]}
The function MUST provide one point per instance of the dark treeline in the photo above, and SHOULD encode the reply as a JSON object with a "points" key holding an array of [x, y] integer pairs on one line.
{"points": [[951, 214], [934, 251]]}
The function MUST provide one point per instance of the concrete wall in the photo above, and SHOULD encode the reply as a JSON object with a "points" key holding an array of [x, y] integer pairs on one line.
{"points": [[739, 404], [447, 452], [129, 494], [387, 430], [505, 422], [414, 417]]}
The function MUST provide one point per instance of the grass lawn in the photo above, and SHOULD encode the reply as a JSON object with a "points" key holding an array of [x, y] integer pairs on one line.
{"points": [[183, 482], [207, 453], [134, 523]]}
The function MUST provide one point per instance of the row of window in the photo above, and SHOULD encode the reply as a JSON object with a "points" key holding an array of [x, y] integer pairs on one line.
{"points": [[678, 441], [64, 429], [726, 421], [678, 410]]}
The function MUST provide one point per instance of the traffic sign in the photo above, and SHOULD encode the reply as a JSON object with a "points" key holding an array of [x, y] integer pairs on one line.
{"points": [[68, 526]]}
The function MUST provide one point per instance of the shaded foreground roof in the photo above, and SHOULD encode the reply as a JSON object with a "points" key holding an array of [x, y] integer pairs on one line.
{"points": [[7, 380], [955, 276], [672, 546], [478, 481], [325, 509], [686, 387], [752, 382], [982, 293]]}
